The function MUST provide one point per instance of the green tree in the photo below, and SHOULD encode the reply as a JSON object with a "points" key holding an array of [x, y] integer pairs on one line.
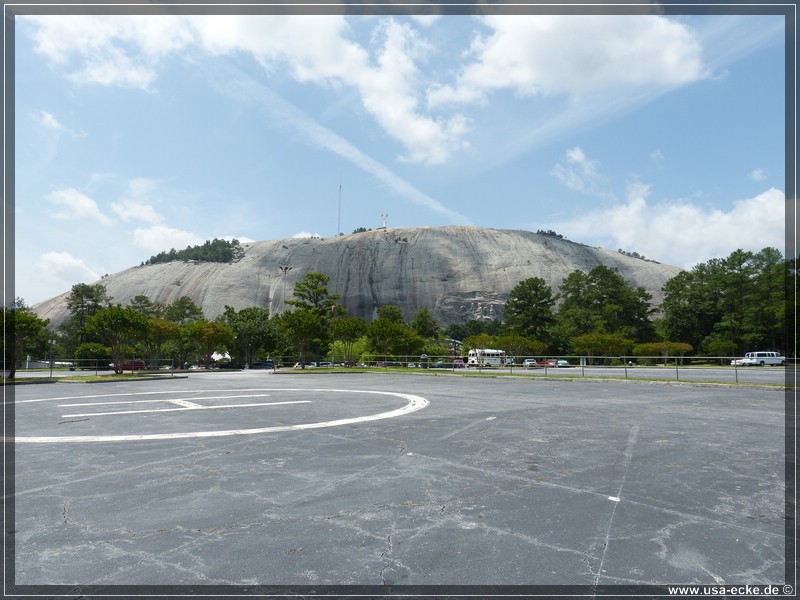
{"points": [[347, 330], [183, 311], [790, 307], [601, 301], [425, 324], [209, 337], [529, 309], [389, 335], [602, 344], [118, 327], [254, 332], [765, 321], [301, 327], [160, 333], [461, 331], [182, 345], [406, 341], [22, 330], [517, 345], [312, 293], [146, 306], [391, 313], [481, 340], [727, 305], [93, 355], [691, 305], [664, 350], [215, 250], [736, 296], [84, 300]]}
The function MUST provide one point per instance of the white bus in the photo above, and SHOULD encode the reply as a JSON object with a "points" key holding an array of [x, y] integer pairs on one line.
{"points": [[486, 357]]}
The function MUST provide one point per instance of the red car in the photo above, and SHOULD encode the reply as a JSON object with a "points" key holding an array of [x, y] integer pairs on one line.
{"points": [[132, 365]]}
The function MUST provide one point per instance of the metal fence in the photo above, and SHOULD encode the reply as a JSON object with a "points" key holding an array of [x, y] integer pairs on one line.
{"points": [[720, 369]]}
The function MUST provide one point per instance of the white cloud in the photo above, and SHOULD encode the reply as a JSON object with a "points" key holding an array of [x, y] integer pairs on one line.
{"points": [[657, 158], [134, 203], [242, 239], [76, 206], [96, 41], [580, 173], [126, 50], [574, 55], [389, 92], [317, 51], [65, 268], [48, 121], [115, 68], [131, 211], [160, 238], [615, 60], [682, 233], [758, 174]]}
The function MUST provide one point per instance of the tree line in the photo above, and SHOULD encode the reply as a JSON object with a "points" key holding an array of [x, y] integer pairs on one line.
{"points": [[718, 308], [215, 250]]}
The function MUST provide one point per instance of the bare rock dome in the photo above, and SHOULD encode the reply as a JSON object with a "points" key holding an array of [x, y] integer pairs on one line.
{"points": [[458, 273]]}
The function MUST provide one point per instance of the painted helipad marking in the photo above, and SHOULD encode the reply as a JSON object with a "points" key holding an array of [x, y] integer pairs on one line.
{"points": [[414, 403], [190, 406], [136, 394], [182, 402]]}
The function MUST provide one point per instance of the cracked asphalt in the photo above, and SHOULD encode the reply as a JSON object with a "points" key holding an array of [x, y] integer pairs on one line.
{"points": [[257, 479]]}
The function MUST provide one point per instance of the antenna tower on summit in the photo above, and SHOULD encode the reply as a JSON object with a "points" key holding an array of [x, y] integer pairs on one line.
{"points": [[385, 218]]}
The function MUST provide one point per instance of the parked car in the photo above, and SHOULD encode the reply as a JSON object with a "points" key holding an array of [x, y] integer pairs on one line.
{"points": [[760, 358], [262, 364], [326, 365], [228, 365], [448, 364], [530, 363], [562, 363], [132, 365]]}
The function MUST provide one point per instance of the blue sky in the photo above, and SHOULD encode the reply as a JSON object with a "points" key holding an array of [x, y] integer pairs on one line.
{"points": [[662, 135]]}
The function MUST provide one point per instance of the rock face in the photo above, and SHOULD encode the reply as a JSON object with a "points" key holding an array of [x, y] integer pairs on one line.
{"points": [[458, 273]]}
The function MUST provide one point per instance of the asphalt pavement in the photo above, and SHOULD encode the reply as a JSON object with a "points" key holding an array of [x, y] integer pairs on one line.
{"points": [[256, 482]]}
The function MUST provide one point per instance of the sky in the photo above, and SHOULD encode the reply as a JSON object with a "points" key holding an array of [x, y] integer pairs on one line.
{"points": [[661, 135]]}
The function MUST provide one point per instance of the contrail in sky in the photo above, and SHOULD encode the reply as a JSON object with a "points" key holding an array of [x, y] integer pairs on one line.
{"points": [[240, 86]]}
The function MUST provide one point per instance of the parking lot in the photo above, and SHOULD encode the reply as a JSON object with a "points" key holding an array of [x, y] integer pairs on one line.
{"points": [[250, 480]]}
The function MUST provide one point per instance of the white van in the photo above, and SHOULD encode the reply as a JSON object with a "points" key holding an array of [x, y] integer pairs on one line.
{"points": [[760, 359]]}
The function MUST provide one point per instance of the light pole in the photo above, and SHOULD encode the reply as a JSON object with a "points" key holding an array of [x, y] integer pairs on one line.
{"points": [[284, 269]]}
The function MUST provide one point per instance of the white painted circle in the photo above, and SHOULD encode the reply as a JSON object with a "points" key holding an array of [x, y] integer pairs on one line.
{"points": [[414, 403]]}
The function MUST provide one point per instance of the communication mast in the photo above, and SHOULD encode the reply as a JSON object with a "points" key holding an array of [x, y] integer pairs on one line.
{"points": [[385, 218]]}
